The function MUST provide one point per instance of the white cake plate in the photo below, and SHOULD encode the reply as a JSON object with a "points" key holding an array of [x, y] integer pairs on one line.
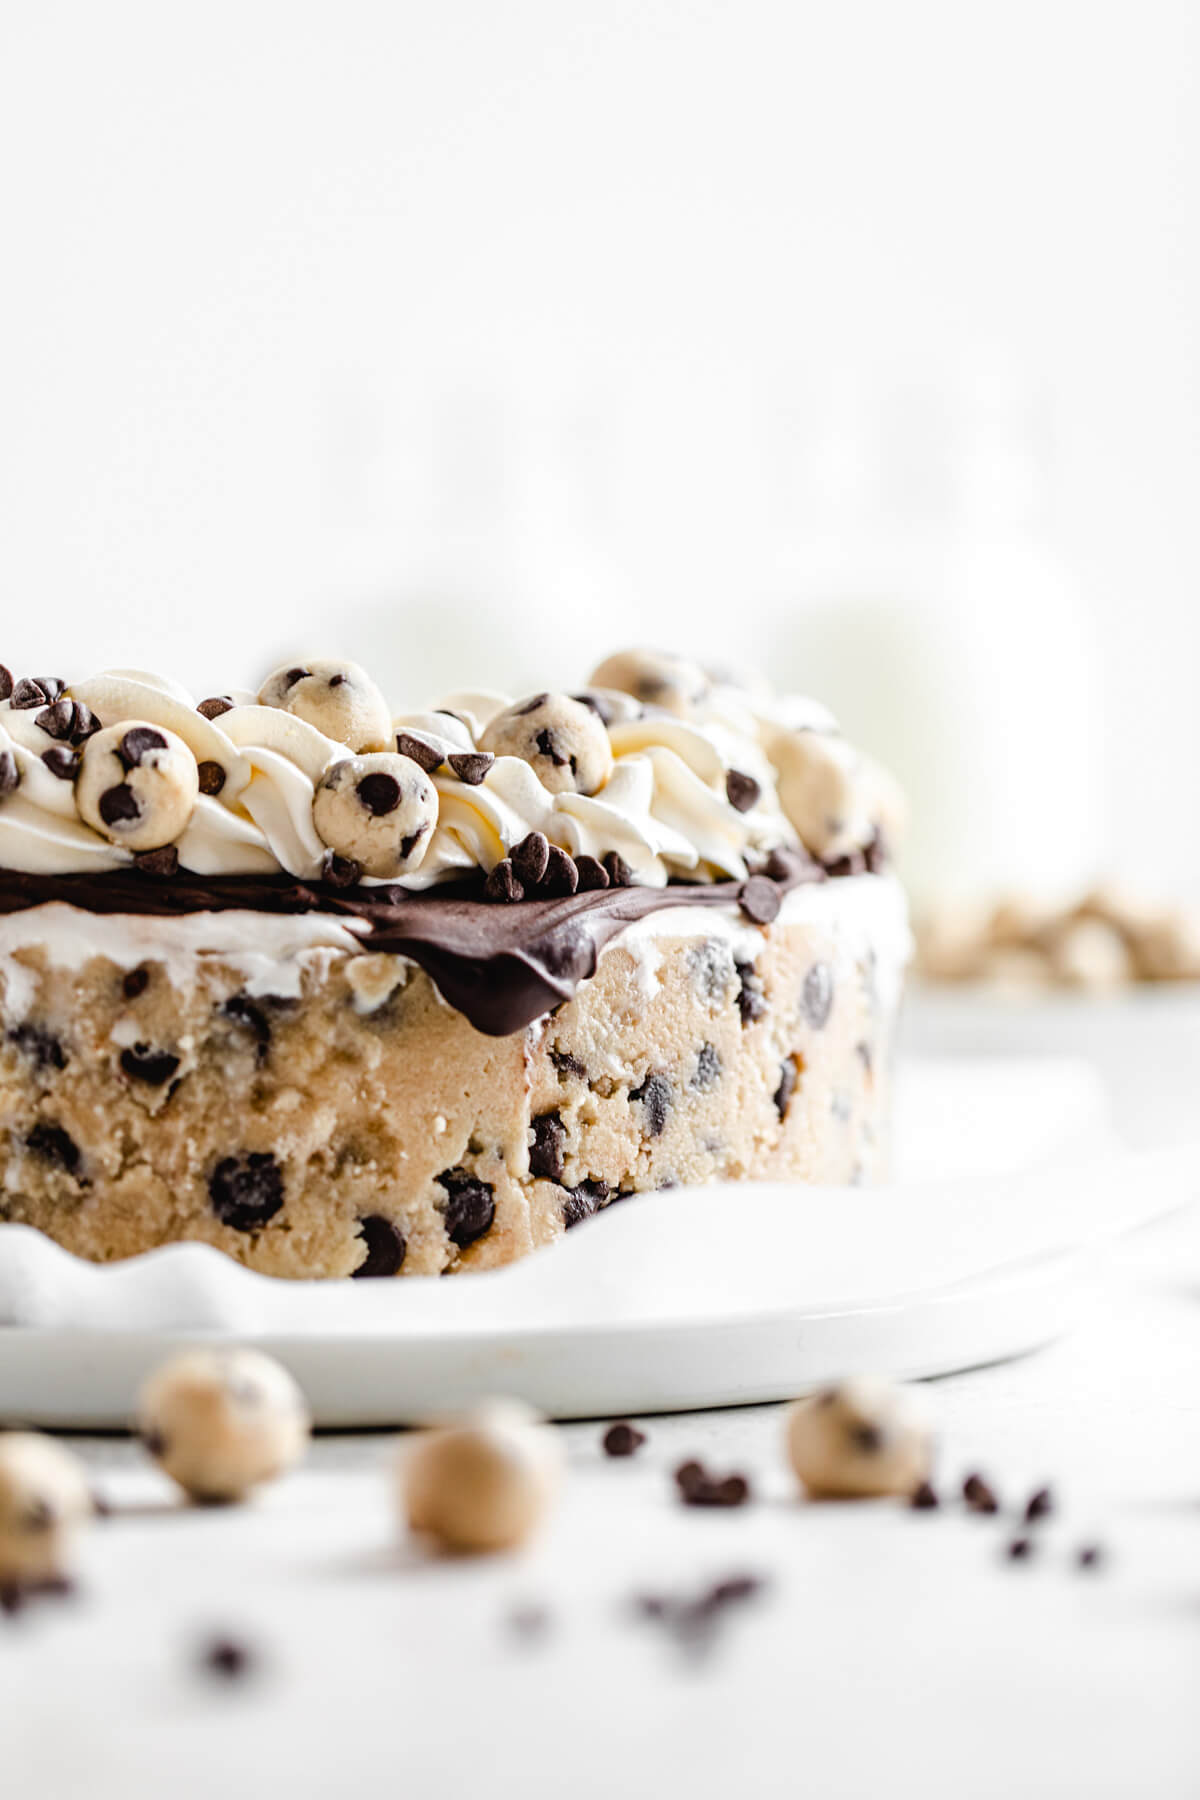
{"points": [[684, 1299]]}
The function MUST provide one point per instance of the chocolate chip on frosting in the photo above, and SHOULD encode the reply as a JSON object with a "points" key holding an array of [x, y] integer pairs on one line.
{"points": [[619, 873], [378, 810], [565, 743], [35, 690], [10, 773], [213, 708], [742, 791], [61, 762], [68, 721], [340, 871], [426, 756], [593, 876], [530, 859], [561, 877], [211, 776], [759, 899], [6, 683], [163, 863], [471, 766], [503, 883]]}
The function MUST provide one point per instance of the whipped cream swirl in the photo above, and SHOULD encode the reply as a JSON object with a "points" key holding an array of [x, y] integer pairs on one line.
{"points": [[667, 809]]}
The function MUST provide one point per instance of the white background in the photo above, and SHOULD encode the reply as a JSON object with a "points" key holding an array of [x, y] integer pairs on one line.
{"points": [[421, 329]]}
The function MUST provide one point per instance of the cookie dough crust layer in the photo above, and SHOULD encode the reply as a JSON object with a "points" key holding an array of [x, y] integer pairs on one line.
{"points": [[353, 1123]]}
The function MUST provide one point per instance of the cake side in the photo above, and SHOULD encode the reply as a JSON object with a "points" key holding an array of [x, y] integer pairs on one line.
{"points": [[313, 1107]]}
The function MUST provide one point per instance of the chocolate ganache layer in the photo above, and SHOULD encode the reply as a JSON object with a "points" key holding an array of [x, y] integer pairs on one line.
{"points": [[502, 966]]}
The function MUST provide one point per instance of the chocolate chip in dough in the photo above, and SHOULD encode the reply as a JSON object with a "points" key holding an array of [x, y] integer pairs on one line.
{"points": [[789, 1074], [751, 1002], [655, 1097], [470, 1206], [246, 1191], [137, 744], [583, 1202], [154, 1067], [135, 982], [708, 1068], [549, 1142], [386, 1246], [43, 1049], [54, 1146], [816, 995]]}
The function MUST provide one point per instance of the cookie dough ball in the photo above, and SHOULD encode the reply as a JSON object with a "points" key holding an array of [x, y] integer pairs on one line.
{"points": [[44, 1503], [563, 740], [862, 1437], [338, 698], [485, 1483], [656, 679], [825, 792], [378, 811], [222, 1422], [137, 785]]}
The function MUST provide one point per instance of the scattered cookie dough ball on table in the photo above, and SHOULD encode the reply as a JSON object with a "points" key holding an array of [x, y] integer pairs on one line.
{"points": [[45, 1502], [337, 698], [376, 811], [826, 791], [137, 785], [673, 683], [563, 740], [857, 1439], [482, 1484], [223, 1422]]}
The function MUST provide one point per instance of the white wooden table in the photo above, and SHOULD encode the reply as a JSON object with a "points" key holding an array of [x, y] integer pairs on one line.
{"points": [[893, 1652]]}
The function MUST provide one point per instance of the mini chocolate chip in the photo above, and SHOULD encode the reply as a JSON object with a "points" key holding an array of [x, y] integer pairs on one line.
{"points": [[622, 1439], [580, 1203], [655, 1097], [1039, 1505], [530, 858], [978, 1495], [86, 723], [866, 1439], [416, 750], [1089, 1556], [212, 777], [138, 743], [751, 1002], [788, 1076], [246, 1190], [6, 683], [135, 983], [791, 866], [51, 685], [549, 1142], [741, 790], [600, 704], [340, 871], [698, 1488], [154, 1067], [530, 705], [28, 694], [561, 877], [10, 773], [117, 805], [337, 680], [58, 720], [566, 1064], [228, 1658], [1020, 1549], [840, 866], [816, 995], [548, 746], [618, 870], [41, 1046], [924, 1498], [64, 763], [379, 793], [503, 884], [386, 1247], [295, 675], [877, 854], [246, 1013], [708, 1068], [471, 765], [162, 863], [469, 1208], [54, 1146], [593, 876], [212, 709], [759, 899]]}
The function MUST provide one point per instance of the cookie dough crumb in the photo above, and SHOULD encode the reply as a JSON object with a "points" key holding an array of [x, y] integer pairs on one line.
{"points": [[223, 1422], [861, 1438], [485, 1483], [45, 1501]]}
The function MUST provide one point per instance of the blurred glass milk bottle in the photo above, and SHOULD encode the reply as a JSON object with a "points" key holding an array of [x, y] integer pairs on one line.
{"points": [[924, 605]]}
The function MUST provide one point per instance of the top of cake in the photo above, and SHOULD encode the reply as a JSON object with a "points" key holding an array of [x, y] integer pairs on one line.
{"points": [[658, 771]]}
